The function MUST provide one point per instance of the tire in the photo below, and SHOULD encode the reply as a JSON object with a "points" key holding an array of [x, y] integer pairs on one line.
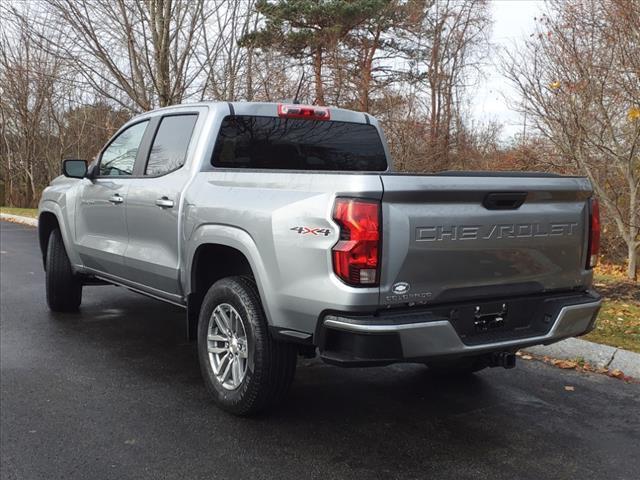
{"points": [[64, 289], [461, 367], [263, 368]]}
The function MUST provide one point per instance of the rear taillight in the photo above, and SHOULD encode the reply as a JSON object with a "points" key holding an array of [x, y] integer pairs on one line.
{"points": [[303, 111], [356, 255], [594, 233]]}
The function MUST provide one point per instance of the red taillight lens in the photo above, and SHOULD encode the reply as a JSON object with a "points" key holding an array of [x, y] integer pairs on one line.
{"points": [[355, 256], [303, 111], [594, 233]]}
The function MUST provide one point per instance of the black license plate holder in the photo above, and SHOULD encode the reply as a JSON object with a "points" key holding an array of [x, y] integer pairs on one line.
{"points": [[481, 321]]}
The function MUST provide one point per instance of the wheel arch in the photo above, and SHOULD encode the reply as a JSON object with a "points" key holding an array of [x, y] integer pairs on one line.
{"points": [[218, 251], [226, 261], [47, 222]]}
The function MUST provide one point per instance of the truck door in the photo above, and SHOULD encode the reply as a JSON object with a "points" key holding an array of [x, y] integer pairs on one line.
{"points": [[152, 258], [101, 228]]}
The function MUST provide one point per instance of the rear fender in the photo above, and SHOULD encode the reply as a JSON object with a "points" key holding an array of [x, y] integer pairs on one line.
{"points": [[231, 237]]}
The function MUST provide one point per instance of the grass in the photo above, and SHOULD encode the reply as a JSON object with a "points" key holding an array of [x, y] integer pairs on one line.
{"points": [[618, 324], [25, 212]]}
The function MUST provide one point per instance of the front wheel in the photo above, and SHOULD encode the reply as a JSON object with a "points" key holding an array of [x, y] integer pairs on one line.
{"points": [[64, 289], [244, 369]]}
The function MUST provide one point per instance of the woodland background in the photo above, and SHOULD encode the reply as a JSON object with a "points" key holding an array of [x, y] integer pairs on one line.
{"points": [[72, 71]]}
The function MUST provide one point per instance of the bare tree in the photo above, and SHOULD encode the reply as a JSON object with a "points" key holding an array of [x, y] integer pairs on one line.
{"points": [[579, 84], [444, 50], [27, 97], [230, 66], [140, 54], [46, 112]]}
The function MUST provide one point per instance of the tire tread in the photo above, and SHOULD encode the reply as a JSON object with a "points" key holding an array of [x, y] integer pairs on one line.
{"points": [[274, 362], [63, 288]]}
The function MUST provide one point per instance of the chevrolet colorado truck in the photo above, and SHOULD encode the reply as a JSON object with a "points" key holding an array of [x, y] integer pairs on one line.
{"points": [[282, 230]]}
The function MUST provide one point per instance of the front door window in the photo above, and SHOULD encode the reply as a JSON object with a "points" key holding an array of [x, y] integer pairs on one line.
{"points": [[119, 157]]}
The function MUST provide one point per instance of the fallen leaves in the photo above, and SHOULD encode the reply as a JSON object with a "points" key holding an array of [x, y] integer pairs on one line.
{"points": [[616, 373], [566, 364], [612, 269], [579, 365]]}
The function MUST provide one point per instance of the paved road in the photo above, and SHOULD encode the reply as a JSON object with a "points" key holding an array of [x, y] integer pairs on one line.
{"points": [[114, 392]]}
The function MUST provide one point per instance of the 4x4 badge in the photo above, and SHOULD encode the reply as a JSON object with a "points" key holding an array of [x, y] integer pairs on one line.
{"points": [[312, 231]]}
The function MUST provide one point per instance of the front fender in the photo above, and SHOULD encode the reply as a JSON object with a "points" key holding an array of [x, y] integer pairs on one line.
{"points": [[61, 212]]}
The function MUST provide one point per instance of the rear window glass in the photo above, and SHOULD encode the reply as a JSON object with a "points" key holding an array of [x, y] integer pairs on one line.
{"points": [[170, 144], [297, 144]]}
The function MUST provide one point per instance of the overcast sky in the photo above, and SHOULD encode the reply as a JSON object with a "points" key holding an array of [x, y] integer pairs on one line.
{"points": [[513, 21]]}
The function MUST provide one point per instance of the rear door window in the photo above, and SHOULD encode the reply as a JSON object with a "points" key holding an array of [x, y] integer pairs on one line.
{"points": [[297, 144], [169, 149]]}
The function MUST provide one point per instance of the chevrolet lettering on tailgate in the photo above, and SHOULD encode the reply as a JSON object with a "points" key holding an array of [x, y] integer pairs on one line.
{"points": [[487, 232]]}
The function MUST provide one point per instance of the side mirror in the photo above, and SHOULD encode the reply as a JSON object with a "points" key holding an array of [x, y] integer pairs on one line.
{"points": [[74, 168]]}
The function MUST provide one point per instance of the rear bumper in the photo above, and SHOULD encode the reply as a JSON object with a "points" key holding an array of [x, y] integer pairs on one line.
{"points": [[377, 340]]}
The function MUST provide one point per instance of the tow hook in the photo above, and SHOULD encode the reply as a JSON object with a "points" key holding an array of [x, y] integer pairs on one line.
{"points": [[503, 359]]}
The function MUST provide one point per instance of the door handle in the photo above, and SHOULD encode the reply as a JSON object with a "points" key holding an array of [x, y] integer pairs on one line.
{"points": [[164, 202], [116, 198]]}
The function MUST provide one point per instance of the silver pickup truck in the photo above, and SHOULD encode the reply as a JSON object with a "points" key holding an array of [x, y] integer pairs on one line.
{"points": [[283, 231]]}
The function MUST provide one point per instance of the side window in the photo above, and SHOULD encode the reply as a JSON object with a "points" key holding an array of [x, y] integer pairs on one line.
{"points": [[170, 144], [120, 156]]}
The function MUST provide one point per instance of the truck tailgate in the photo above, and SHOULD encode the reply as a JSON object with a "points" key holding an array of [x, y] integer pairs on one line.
{"points": [[464, 236]]}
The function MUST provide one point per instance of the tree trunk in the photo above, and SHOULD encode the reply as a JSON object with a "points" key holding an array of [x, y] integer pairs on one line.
{"points": [[632, 258], [365, 84], [249, 75], [317, 67], [634, 227], [367, 71]]}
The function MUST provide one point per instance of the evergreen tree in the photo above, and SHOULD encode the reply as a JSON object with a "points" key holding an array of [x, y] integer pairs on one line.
{"points": [[306, 29]]}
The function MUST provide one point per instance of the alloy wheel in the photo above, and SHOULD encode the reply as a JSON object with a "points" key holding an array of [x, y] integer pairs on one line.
{"points": [[227, 346]]}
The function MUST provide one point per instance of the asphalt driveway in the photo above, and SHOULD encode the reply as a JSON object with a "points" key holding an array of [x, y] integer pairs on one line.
{"points": [[115, 392]]}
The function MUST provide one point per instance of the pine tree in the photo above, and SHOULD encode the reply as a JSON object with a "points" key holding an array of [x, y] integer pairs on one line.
{"points": [[306, 29]]}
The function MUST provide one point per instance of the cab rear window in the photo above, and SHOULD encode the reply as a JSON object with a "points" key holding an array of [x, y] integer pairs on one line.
{"points": [[297, 144]]}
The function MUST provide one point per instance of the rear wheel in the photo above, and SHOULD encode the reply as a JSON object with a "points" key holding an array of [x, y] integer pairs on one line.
{"points": [[64, 289], [244, 369]]}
